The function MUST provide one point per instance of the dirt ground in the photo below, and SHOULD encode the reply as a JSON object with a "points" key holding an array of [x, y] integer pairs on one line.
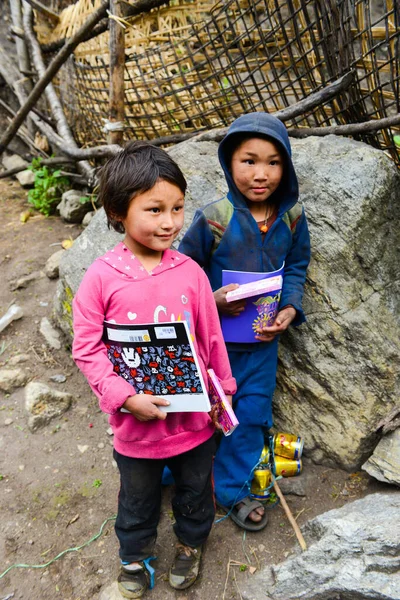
{"points": [[58, 486]]}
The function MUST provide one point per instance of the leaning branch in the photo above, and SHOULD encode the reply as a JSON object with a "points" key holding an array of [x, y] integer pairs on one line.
{"points": [[350, 129], [50, 72], [60, 160], [13, 79], [63, 128]]}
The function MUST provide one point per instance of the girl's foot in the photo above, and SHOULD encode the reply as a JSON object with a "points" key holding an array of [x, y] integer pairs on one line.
{"points": [[185, 568], [133, 580]]}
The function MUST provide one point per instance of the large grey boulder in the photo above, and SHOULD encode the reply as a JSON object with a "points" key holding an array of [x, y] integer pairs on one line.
{"points": [[353, 554], [337, 375]]}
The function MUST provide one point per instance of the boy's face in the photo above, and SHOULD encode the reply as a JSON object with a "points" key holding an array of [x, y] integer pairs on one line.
{"points": [[257, 169], [154, 219]]}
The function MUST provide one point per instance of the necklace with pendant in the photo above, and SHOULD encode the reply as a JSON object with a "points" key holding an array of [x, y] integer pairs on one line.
{"points": [[264, 227]]}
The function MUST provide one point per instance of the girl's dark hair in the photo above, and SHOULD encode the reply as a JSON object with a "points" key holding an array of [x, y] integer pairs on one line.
{"points": [[131, 172]]}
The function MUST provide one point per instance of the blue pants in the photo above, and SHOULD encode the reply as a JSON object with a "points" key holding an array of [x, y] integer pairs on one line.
{"points": [[237, 455]]}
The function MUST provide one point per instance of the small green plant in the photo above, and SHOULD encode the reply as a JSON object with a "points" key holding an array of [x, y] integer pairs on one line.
{"points": [[243, 568], [48, 187], [97, 483]]}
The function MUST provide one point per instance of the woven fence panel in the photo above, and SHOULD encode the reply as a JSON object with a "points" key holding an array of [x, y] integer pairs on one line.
{"points": [[212, 65]]}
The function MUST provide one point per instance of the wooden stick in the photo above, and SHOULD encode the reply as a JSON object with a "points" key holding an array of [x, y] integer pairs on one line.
{"points": [[117, 83], [50, 72], [289, 515]]}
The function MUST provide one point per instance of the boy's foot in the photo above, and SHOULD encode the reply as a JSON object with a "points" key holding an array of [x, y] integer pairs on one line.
{"points": [[185, 568], [245, 514], [255, 515], [133, 580]]}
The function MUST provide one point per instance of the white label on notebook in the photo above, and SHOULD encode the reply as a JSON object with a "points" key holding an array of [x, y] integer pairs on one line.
{"points": [[165, 333], [126, 335]]}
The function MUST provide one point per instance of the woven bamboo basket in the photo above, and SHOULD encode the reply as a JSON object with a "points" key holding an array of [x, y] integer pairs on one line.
{"points": [[196, 65]]}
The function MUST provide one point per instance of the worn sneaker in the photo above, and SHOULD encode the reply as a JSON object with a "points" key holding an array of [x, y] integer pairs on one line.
{"points": [[185, 568], [133, 581]]}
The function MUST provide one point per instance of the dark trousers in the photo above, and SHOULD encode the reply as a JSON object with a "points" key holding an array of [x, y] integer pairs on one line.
{"points": [[139, 500]]}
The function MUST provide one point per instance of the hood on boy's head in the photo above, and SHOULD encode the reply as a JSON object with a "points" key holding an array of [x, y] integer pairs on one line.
{"points": [[261, 124]]}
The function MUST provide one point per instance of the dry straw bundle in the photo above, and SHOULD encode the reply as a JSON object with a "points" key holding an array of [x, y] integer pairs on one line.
{"points": [[196, 65]]}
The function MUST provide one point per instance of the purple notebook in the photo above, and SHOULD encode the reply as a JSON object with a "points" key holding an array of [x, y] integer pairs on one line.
{"points": [[260, 311]]}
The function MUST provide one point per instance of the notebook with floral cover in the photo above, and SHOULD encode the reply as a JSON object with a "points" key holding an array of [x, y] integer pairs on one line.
{"points": [[158, 359]]}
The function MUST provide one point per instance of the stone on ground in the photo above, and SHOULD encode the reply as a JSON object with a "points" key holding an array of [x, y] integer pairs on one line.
{"points": [[353, 553]]}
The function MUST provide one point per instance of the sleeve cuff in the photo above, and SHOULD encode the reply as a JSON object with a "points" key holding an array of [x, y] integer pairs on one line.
{"points": [[229, 386], [115, 395]]}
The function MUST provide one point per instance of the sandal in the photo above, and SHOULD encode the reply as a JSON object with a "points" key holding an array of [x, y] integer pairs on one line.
{"points": [[241, 515]]}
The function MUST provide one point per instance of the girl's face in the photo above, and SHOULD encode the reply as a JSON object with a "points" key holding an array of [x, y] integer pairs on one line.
{"points": [[154, 219], [257, 169]]}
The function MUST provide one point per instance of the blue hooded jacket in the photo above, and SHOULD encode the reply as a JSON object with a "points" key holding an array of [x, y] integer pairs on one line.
{"points": [[241, 246]]}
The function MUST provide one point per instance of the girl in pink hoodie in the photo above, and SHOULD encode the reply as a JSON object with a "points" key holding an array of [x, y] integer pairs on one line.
{"points": [[143, 280]]}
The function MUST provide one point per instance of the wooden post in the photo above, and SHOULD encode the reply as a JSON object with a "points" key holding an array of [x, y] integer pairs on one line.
{"points": [[117, 67]]}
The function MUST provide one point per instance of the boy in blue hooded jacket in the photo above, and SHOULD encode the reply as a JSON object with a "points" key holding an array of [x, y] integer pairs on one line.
{"points": [[257, 227]]}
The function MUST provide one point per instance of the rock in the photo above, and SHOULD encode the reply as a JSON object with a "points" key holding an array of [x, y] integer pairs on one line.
{"points": [[71, 208], [206, 182], [338, 373], [51, 335], [26, 178], [13, 162], [111, 592], [94, 241], [23, 282], [295, 486], [87, 218], [44, 404], [339, 369], [58, 378], [18, 359], [353, 552], [11, 379], [384, 464], [53, 264]]}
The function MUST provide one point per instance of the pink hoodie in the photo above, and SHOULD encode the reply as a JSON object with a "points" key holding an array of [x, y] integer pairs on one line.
{"points": [[117, 287]]}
